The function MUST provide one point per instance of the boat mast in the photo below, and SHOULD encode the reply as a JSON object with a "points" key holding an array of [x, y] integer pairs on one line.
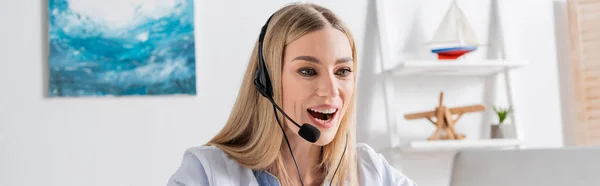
{"points": [[458, 23]]}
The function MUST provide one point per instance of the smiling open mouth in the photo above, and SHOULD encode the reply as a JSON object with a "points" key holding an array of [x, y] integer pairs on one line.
{"points": [[324, 114]]}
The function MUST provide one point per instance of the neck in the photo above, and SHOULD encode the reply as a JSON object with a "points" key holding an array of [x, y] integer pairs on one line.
{"points": [[307, 157]]}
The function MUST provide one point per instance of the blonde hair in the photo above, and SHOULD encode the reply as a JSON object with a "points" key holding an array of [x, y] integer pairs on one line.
{"points": [[252, 135]]}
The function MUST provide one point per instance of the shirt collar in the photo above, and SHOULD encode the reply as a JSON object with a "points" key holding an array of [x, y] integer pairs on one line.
{"points": [[265, 178]]}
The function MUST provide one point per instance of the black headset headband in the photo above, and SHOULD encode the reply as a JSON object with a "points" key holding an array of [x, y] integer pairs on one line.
{"points": [[262, 80]]}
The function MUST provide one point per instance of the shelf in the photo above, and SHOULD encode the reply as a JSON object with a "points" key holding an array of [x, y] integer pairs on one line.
{"points": [[450, 145], [453, 67]]}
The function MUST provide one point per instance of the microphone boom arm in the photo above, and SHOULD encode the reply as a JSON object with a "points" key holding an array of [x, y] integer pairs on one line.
{"points": [[284, 114]]}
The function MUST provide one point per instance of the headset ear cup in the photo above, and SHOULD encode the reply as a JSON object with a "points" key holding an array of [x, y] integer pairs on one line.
{"points": [[260, 87], [262, 81], [267, 82]]}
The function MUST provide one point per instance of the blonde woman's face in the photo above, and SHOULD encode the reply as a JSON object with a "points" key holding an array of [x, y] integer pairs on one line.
{"points": [[318, 80]]}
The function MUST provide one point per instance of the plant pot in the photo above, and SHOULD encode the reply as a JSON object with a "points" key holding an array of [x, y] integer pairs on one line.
{"points": [[504, 130]]}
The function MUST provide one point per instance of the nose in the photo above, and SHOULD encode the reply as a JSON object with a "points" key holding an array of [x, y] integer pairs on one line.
{"points": [[328, 87]]}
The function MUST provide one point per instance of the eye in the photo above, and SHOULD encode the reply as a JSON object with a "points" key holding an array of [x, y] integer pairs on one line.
{"points": [[343, 72], [307, 72]]}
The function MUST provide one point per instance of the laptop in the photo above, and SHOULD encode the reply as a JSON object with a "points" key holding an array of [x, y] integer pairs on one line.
{"points": [[569, 166]]}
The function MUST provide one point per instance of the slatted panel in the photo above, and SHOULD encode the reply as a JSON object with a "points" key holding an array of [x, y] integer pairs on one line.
{"points": [[594, 140], [593, 104], [584, 30], [592, 94], [591, 66], [592, 121], [594, 133], [590, 35], [593, 115], [593, 128]]}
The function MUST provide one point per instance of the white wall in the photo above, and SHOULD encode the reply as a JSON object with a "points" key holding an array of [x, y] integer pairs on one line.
{"points": [[140, 140], [567, 96]]}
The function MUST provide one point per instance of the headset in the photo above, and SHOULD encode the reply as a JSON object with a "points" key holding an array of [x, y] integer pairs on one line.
{"points": [[263, 85]]}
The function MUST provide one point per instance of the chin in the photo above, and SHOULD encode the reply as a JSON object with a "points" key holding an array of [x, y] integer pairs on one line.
{"points": [[327, 134], [325, 139]]}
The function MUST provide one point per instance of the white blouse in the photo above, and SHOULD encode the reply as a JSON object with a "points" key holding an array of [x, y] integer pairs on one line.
{"points": [[209, 165]]}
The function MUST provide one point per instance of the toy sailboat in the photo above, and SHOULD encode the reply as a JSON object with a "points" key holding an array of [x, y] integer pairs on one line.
{"points": [[454, 36]]}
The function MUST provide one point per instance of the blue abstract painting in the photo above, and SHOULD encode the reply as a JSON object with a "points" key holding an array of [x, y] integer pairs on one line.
{"points": [[121, 47]]}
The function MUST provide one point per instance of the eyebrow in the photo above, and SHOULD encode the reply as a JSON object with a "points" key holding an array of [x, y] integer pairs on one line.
{"points": [[315, 60]]}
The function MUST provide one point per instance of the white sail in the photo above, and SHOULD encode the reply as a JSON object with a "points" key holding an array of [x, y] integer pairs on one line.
{"points": [[454, 29]]}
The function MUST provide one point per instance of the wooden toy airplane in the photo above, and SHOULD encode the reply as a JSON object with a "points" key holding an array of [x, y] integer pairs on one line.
{"points": [[444, 121]]}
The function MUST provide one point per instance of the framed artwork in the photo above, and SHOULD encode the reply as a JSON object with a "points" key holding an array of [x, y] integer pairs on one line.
{"points": [[121, 47]]}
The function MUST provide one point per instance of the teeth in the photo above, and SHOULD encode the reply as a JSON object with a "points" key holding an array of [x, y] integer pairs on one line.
{"points": [[320, 120], [325, 111]]}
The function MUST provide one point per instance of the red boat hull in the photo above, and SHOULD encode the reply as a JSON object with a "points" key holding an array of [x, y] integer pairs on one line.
{"points": [[453, 52]]}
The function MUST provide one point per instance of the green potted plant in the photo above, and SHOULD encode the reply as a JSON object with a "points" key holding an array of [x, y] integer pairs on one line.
{"points": [[501, 129]]}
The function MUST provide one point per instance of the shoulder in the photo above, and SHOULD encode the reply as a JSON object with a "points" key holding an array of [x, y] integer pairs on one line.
{"points": [[374, 168], [208, 165], [204, 153]]}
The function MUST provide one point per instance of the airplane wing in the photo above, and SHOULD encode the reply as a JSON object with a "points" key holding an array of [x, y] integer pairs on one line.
{"points": [[473, 108], [420, 115]]}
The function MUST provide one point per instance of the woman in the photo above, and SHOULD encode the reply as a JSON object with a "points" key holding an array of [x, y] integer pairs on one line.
{"points": [[304, 61]]}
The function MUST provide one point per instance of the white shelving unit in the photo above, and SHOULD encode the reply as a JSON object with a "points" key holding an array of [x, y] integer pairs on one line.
{"points": [[453, 67], [440, 145], [419, 68]]}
